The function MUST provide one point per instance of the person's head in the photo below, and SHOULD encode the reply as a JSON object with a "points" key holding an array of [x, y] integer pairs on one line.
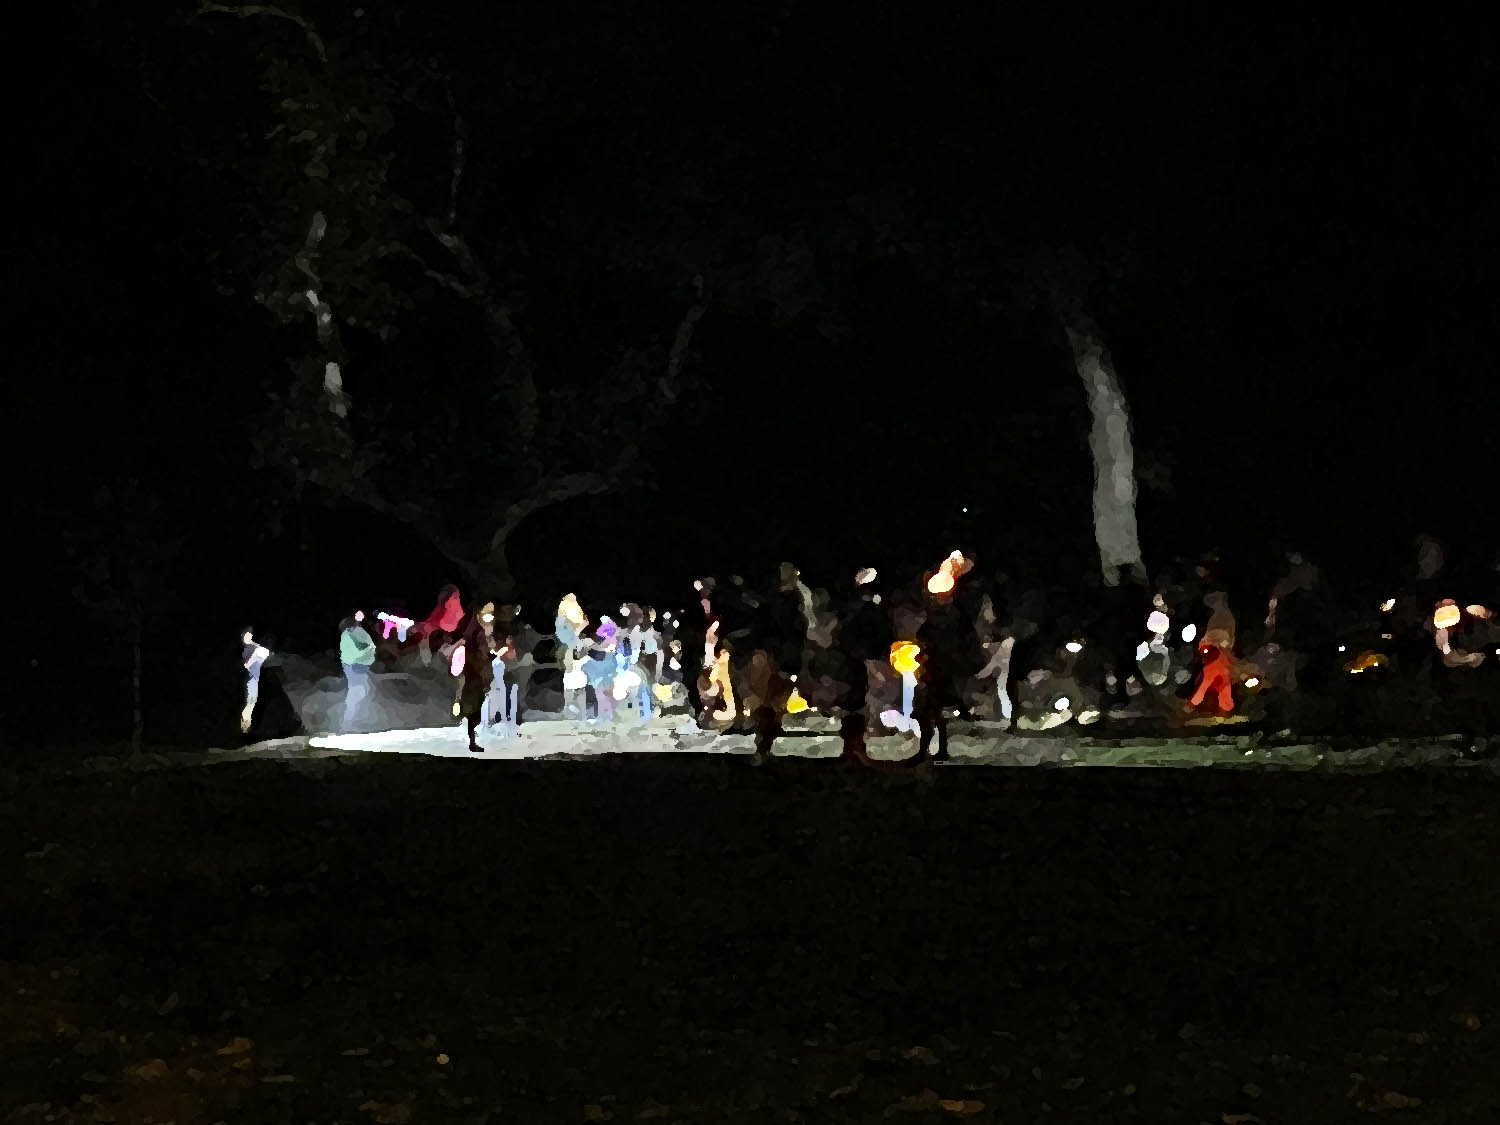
{"points": [[247, 635], [346, 624], [359, 616]]}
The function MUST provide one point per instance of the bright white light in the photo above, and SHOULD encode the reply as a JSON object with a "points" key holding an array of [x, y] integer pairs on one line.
{"points": [[1189, 633], [1253, 681], [1062, 704], [1142, 650], [1387, 605], [1087, 718], [1158, 623], [1074, 646], [359, 615], [1343, 648], [966, 511]]}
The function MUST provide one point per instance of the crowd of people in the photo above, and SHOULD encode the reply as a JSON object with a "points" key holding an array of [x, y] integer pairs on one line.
{"points": [[954, 642]]}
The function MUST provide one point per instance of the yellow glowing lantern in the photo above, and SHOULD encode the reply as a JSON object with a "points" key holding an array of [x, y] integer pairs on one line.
{"points": [[663, 692], [904, 657], [796, 704], [1478, 611], [1446, 616]]}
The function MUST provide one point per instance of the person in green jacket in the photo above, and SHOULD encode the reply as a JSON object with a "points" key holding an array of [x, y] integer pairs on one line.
{"points": [[357, 654]]}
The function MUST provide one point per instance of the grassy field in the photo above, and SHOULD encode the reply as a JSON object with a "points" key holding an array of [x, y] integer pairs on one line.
{"points": [[680, 937]]}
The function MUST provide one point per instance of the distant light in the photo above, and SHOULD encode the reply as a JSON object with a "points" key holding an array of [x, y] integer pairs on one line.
{"points": [[940, 583], [1189, 633], [955, 714], [1142, 650], [1387, 636], [965, 511], [1158, 623], [1074, 647], [1478, 611], [1253, 681], [876, 599], [1343, 648], [865, 576], [1446, 615], [1387, 605], [1062, 704]]}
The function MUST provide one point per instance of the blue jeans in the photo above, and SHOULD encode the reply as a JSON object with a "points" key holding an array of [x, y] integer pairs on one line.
{"points": [[356, 694]]}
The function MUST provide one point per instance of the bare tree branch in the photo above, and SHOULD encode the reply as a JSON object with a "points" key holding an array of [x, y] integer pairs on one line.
{"points": [[245, 11], [671, 383], [568, 486], [460, 155]]}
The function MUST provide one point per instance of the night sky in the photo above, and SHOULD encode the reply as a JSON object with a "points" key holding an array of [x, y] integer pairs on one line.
{"points": [[1300, 219]]}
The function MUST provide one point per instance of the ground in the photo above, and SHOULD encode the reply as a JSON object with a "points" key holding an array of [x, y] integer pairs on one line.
{"points": [[685, 937]]}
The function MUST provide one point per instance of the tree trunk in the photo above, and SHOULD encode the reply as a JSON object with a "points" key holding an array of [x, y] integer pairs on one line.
{"points": [[138, 723], [1114, 459], [492, 576]]}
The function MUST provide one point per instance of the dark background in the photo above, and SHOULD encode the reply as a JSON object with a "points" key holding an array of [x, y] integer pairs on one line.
{"points": [[1301, 219]]}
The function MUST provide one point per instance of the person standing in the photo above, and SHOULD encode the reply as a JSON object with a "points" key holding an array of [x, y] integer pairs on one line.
{"points": [[475, 675], [253, 656], [357, 655]]}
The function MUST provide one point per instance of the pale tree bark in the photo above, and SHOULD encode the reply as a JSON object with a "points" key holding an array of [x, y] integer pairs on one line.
{"points": [[1114, 458]]}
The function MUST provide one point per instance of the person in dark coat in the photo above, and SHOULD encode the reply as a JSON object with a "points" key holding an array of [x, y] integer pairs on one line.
{"points": [[949, 654], [476, 676], [864, 635]]}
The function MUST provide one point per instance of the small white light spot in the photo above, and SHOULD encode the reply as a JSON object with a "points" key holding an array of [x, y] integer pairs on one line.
{"points": [[1253, 681], [1142, 650], [1074, 646], [1387, 605], [1343, 648], [1062, 704], [1189, 633]]}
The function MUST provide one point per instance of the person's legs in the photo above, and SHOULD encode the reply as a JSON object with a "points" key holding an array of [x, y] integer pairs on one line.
{"points": [[852, 733], [645, 704], [1226, 694], [252, 693], [351, 696]]}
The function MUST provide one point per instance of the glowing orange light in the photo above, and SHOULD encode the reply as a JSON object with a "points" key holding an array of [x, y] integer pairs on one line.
{"points": [[941, 582], [1365, 661], [1446, 616], [904, 657]]}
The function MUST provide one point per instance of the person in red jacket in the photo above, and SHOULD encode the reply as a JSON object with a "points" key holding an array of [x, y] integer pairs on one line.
{"points": [[1216, 651]]}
